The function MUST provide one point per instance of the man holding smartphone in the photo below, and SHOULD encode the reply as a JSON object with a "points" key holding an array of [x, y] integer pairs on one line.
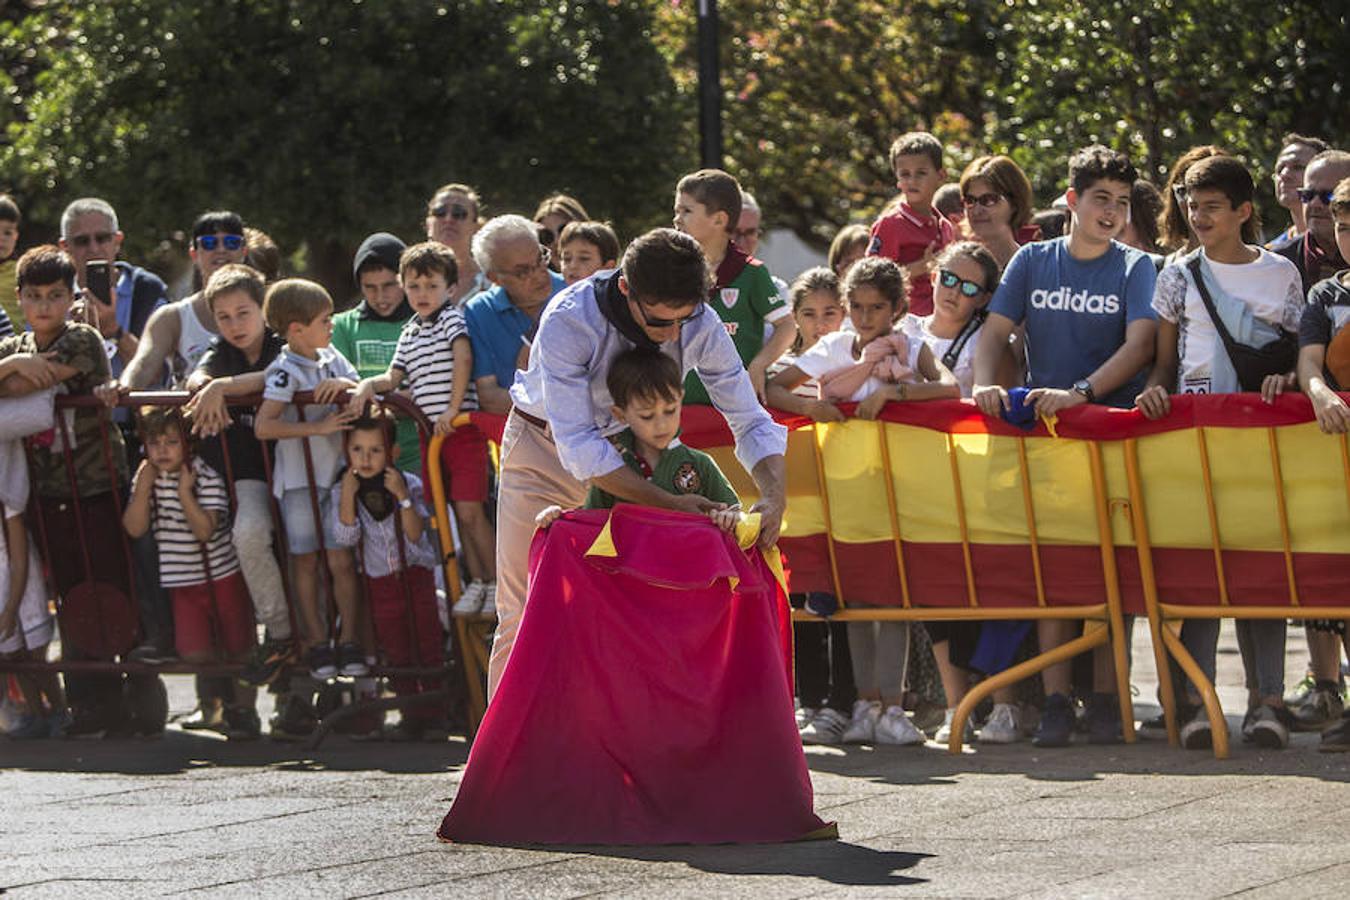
{"points": [[122, 296]]}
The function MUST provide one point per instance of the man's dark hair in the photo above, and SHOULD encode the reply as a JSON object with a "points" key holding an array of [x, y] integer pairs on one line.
{"points": [[429, 257], [717, 191], [43, 265], [1098, 163], [9, 210], [916, 143], [598, 234], [666, 266], [640, 374], [1304, 140], [220, 220]]}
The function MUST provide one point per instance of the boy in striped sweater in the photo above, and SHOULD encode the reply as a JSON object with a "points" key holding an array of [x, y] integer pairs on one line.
{"points": [[434, 358], [187, 505]]}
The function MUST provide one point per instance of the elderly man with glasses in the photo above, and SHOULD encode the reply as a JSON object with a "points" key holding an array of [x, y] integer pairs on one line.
{"points": [[502, 320], [1314, 252], [555, 439], [89, 231]]}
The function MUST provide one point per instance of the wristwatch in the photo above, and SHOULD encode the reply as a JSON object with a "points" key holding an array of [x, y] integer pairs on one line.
{"points": [[405, 503], [1084, 387]]}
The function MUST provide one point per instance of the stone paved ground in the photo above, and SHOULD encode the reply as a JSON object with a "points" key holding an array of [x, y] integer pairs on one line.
{"points": [[200, 817]]}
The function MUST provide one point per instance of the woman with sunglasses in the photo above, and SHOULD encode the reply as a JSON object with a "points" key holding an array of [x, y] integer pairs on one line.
{"points": [[997, 197], [552, 216], [453, 218]]}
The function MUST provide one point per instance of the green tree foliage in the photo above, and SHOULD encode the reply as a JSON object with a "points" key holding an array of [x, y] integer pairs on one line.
{"points": [[323, 120]]}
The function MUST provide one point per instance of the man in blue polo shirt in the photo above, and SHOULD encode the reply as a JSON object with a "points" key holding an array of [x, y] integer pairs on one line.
{"points": [[502, 320]]}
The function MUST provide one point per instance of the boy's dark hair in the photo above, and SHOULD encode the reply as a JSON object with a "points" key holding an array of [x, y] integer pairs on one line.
{"points": [[1225, 173], [152, 421], [1174, 232], [717, 191], [1340, 198], [294, 300], [596, 233], [1146, 205], [262, 254], [231, 278], [9, 210], [218, 220], [1316, 143], [1099, 163], [916, 143], [947, 199], [849, 239], [640, 374], [427, 258], [877, 272], [1050, 223], [43, 265], [666, 266], [375, 419]]}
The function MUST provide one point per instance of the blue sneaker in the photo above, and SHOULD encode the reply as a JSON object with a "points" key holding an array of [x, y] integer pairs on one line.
{"points": [[30, 728], [1103, 720], [1056, 723]]}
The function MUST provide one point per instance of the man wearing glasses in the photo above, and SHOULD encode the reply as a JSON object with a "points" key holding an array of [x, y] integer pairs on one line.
{"points": [[555, 439], [502, 320], [1314, 252], [89, 231]]}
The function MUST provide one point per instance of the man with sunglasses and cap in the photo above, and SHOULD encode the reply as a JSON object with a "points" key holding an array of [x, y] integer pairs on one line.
{"points": [[1314, 252], [89, 230], [555, 446], [502, 320]]}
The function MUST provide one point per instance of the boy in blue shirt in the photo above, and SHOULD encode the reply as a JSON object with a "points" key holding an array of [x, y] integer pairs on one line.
{"points": [[1085, 303]]}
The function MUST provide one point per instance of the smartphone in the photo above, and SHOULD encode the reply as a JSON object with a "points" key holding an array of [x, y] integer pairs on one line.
{"points": [[98, 279]]}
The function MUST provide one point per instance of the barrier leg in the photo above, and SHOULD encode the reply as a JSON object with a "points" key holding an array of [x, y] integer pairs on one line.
{"points": [[1094, 635], [475, 663], [1165, 686], [1218, 726], [1122, 666]]}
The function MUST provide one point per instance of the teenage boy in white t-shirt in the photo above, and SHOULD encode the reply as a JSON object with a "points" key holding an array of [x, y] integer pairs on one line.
{"points": [[1191, 358]]}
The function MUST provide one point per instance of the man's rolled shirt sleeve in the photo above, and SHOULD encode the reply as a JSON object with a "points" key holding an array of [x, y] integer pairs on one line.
{"points": [[566, 349], [722, 373]]}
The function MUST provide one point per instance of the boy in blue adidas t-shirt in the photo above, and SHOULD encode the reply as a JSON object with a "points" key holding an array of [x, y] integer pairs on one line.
{"points": [[1085, 302]]}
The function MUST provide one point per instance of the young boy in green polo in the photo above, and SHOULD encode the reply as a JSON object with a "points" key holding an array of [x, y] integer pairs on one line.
{"points": [[646, 388], [368, 334]]}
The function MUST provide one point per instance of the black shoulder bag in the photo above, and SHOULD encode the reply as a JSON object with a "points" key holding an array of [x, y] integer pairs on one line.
{"points": [[1252, 364], [963, 337]]}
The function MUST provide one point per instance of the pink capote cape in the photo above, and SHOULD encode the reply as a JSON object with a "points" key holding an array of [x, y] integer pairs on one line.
{"points": [[648, 697]]}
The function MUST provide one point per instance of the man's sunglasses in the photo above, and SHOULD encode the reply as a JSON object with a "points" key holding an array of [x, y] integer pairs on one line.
{"points": [[950, 279], [667, 323], [985, 200], [84, 240], [210, 242], [455, 211], [1308, 195]]}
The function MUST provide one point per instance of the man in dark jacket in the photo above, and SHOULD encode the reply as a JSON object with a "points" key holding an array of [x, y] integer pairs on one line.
{"points": [[1314, 251]]}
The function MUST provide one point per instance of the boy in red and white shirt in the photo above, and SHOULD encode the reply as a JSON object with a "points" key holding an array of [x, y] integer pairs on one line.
{"points": [[911, 231]]}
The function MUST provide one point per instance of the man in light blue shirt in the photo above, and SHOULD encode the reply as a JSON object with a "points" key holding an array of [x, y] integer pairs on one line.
{"points": [[555, 439], [502, 320]]}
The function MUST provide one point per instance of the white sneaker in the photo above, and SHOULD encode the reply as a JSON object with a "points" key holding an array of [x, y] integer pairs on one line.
{"points": [[826, 728], [1263, 727], [471, 601], [895, 727], [804, 716], [862, 728], [1196, 734], [489, 607], [944, 734], [1002, 726]]}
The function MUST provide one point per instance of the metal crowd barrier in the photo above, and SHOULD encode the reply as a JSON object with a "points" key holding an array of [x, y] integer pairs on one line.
{"points": [[114, 664], [1228, 508]]}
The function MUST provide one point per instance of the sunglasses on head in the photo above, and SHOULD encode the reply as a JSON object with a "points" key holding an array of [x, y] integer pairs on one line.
{"points": [[455, 211], [1308, 195], [667, 323], [209, 242], [84, 240], [985, 200], [950, 279]]}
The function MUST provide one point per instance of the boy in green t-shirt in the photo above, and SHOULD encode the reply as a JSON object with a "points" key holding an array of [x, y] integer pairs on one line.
{"points": [[646, 386], [368, 334], [707, 208]]}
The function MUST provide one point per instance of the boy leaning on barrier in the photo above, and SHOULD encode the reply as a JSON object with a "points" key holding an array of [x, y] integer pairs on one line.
{"points": [[1085, 304], [1257, 295], [309, 455], [94, 587], [1324, 369], [232, 368]]}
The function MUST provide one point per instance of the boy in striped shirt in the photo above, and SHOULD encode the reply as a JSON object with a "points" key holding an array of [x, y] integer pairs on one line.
{"points": [[434, 357], [187, 505]]}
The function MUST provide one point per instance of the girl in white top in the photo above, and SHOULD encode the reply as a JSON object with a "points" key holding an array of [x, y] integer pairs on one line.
{"points": [[818, 311], [963, 282], [894, 368]]}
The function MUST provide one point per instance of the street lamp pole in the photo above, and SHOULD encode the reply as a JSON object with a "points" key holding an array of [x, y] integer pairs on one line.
{"points": [[709, 87]]}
